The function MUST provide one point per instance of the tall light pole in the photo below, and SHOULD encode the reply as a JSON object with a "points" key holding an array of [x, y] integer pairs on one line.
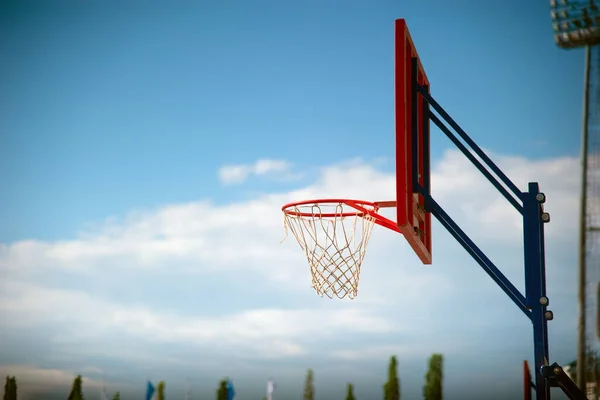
{"points": [[582, 281], [577, 24]]}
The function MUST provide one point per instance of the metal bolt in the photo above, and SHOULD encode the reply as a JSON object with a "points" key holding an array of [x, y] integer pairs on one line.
{"points": [[541, 197], [545, 217], [557, 370], [544, 301], [549, 315]]}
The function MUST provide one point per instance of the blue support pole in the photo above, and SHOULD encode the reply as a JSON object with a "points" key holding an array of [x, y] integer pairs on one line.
{"points": [[535, 283]]}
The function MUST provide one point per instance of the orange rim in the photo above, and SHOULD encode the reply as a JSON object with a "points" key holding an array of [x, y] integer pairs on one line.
{"points": [[359, 205]]}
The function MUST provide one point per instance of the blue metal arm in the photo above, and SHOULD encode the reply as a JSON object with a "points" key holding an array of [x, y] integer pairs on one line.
{"points": [[477, 164], [431, 101], [478, 255]]}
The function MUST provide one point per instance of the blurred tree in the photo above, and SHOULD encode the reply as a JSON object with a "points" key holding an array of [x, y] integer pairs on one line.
{"points": [[222, 391], [433, 389], [13, 388], [391, 389], [309, 387], [117, 396], [77, 389], [350, 394], [10, 388], [7, 388], [160, 391]]}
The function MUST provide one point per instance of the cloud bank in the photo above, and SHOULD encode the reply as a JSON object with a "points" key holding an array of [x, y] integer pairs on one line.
{"points": [[208, 287]]}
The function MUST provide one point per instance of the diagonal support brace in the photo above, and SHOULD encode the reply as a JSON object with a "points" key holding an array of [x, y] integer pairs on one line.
{"points": [[557, 377], [478, 255]]}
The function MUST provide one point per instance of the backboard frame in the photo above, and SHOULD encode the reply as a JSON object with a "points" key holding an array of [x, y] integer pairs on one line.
{"points": [[412, 145]]}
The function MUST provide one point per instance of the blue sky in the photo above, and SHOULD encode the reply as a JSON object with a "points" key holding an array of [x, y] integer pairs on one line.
{"points": [[126, 241]]}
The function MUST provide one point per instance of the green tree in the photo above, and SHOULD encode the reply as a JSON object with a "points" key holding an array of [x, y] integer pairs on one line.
{"points": [[13, 388], [77, 389], [7, 388], [222, 390], [309, 386], [117, 396], [350, 393], [160, 391], [433, 389], [391, 389], [10, 388]]}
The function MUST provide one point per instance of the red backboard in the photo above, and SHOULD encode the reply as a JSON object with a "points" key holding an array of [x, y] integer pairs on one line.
{"points": [[414, 223]]}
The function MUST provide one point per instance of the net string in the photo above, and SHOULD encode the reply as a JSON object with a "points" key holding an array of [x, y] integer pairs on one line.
{"points": [[333, 245]]}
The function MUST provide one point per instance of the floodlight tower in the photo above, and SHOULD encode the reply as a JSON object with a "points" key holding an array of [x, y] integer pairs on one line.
{"points": [[576, 24]]}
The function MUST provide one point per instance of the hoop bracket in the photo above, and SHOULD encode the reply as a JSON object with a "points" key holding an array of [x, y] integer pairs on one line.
{"points": [[386, 204]]}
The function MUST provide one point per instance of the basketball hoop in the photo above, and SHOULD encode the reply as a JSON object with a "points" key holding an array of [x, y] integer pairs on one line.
{"points": [[334, 234]]}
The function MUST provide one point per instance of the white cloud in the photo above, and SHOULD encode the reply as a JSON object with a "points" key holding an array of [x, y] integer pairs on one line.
{"points": [[383, 352], [215, 278], [271, 332], [236, 174]]}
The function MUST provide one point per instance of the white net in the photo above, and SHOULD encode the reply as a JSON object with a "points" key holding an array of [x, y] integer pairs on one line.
{"points": [[334, 238]]}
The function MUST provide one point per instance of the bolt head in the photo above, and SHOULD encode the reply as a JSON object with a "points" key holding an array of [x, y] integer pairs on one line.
{"points": [[549, 315], [545, 217], [557, 370], [541, 197], [544, 301]]}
